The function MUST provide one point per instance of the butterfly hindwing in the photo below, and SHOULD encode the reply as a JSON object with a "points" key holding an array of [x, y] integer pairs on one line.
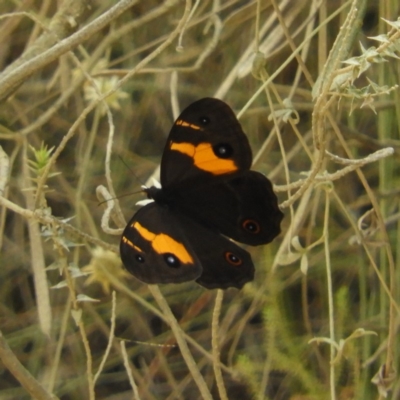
{"points": [[242, 207], [224, 264]]}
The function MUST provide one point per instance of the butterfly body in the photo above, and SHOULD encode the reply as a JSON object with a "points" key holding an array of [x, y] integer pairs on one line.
{"points": [[208, 195]]}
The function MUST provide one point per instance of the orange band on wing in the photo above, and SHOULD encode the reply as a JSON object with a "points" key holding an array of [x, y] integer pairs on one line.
{"points": [[162, 243], [204, 158], [129, 243], [187, 124]]}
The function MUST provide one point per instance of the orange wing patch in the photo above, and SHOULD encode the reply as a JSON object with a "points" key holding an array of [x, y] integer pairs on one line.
{"points": [[129, 243], [204, 158], [181, 122], [162, 243]]}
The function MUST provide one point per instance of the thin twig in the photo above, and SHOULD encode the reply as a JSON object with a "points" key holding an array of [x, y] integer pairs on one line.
{"points": [[215, 345], [129, 372], [23, 376], [110, 338], [186, 354], [10, 80], [50, 220]]}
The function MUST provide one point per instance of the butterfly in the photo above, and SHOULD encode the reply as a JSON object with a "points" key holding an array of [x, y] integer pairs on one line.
{"points": [[208, 199]]}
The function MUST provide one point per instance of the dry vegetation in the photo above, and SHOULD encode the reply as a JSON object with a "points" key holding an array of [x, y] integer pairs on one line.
{"points": [[89, 94]]}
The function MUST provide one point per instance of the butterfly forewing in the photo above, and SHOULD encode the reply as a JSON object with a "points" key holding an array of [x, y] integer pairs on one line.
{"points": [[155, 249], [162, 246], [205, 142]]}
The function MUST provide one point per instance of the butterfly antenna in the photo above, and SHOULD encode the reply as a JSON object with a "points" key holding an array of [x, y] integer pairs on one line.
{"points": [[120, 197], [130, 193], [131, 170]]}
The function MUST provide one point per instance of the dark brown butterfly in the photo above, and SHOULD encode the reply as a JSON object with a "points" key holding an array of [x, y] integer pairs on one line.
{"points": [[208, 195]]}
